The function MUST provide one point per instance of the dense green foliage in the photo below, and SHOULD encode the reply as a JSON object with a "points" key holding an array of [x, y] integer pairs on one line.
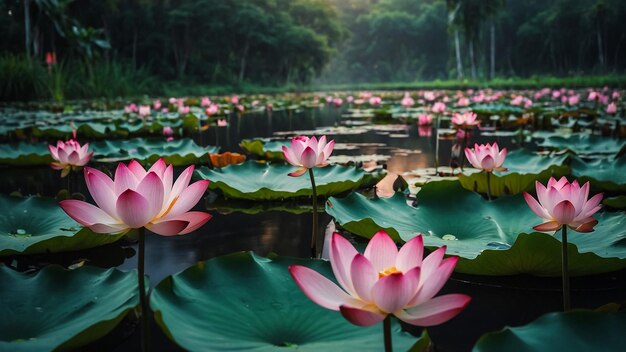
{"points": [[120, 48]]}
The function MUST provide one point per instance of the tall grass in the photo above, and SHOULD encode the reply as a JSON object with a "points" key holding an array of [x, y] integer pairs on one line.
{"points": [[21, 79]]}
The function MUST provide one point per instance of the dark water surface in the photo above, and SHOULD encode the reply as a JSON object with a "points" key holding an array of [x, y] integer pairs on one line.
{"points": [[496, 301]]}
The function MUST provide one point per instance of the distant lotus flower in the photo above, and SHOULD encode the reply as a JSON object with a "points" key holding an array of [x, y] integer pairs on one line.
{"points": [[307, 153], [144, 110], [463, 102], [329, 99], [234, 99], [169, 139], [518, 100], [132, 107], [603, 99], [407, 101], [69, 156], [365, 95], [573, 100], [222, 123], [205, 101], [528, 103], [611, 108], [173, 100], [375, 101], [478, 98], [359, 101], [486, 157], [51, 59], [168, 131], [212, 109], [438, 107], [424, 119], [593, 96], [183, 109], [429, 95], [615, 95], [165, 110], [137, 198], [337, 102], [562, 204], [424, 131], [556, 94], [240, 108], [350, 99], [157, 104], [384, 281], [467, 119]]}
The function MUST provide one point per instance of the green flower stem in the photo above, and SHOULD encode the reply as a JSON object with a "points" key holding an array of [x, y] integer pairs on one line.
{"points": [[465, 133], [488, 185], [387, 333], [565, 267], [145, 328], [314, 231], [69, 184], [437, 145]]}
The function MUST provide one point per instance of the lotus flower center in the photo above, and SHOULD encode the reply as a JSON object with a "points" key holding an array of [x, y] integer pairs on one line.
{"points": [[390, 270]]}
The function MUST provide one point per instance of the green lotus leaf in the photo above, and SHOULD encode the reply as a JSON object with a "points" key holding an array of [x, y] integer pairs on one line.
{"points": [[25, 154], [577, 330], [524, 168], [263, 181], [618, 202], [582, 144], [179, 152], [226, 206], [39, 225], [604, 174], [271, 150], [59, 309], [246, 302], [486, 235]]}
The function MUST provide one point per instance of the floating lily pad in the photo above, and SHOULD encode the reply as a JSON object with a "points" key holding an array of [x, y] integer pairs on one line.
{"points": [[262, 181], [604, 174], [61, 310], [271, 150], [39, 225], [524, 168], [579, 143], [25, 154], [246, 302], [486, 235], [179, 152], [578, 330], [618, 202]]}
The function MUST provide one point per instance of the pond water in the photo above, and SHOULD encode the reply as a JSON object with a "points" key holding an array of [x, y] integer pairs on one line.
{"points": [[496, 301]]}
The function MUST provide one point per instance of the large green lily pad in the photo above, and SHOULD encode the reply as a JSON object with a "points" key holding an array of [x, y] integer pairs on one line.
{"points": [[524, 168], [39, 225], [580, 143], [246, 302], [25, 154], [59, 309], [486, 235], [271, 150], [179, 152], [263, 181], [578, 330], [604, 174]]}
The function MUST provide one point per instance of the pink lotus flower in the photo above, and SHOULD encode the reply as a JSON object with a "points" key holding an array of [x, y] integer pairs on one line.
{"points": [[222, 123], [438, 107], [240, 108], [424, 119], [350, 99], [337, 102], [205, 101], [182, 109], [365, 95], [307, 153], [593, 96], [562, 203], [157, 104], [168, 131], [172, 100], [407, 101], [69, 156], [486, 157], [616, 94], [429, 95], [132, 107], [424, 131], [518, 100], [375, 101], [212, 109], [138, 198], [465, 120], [384, 281], [463, 102], [528, 103], [234, 99], [611, 108], [144, 110], [573, 100], [329, 99]]}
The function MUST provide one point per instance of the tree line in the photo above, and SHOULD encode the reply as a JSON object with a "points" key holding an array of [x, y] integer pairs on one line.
{"points": [[282, 42]]}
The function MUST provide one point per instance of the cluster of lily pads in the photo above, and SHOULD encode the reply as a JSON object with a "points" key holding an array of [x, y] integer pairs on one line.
{"points": [[205, 306]]}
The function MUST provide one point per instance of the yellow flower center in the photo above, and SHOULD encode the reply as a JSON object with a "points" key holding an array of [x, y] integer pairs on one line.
{"points": [[390, 270]]}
